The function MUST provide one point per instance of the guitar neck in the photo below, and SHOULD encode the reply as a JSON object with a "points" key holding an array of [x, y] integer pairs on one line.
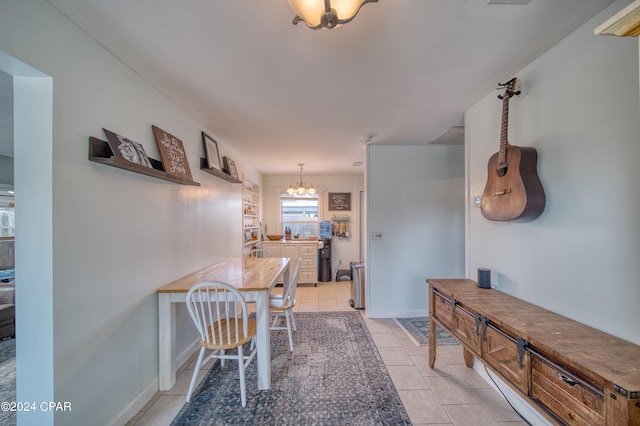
{"points": [[502, 154]]}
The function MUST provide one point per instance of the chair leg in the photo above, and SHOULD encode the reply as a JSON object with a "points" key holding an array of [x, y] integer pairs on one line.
{"points": [[275, 320], [195, 373], [221, 359], [293, 320], [286, 316], [243, 394]]}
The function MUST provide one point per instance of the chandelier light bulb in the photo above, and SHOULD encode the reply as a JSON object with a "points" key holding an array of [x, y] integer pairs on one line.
{"points": [[300, 188], [327, 14]]}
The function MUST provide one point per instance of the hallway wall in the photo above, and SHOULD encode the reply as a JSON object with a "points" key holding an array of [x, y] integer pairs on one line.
{"points": [[581, 112]]}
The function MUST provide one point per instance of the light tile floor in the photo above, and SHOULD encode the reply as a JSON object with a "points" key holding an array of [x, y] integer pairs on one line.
{"points": [[449, 394]]}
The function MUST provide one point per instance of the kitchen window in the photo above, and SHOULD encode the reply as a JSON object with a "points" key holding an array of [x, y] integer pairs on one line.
{"points": [[300, 213]]}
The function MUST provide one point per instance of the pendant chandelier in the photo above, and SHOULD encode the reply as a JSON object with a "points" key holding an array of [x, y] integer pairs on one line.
{"points": [[326, 14], [301, 188]]}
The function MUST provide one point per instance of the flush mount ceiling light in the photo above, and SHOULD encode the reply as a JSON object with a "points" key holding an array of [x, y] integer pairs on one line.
{"points": [[301, 188], [326, 14]]}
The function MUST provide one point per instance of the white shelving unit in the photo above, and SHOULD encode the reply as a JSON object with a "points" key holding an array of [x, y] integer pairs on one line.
{"points": [[250, 214]]}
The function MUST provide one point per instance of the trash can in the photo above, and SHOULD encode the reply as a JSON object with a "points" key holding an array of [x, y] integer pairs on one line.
{"points": [[357, 286]]}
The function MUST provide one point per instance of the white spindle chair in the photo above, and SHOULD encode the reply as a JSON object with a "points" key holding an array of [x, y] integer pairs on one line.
{"points": [[284, 303], [219, 313], [258, 252]]}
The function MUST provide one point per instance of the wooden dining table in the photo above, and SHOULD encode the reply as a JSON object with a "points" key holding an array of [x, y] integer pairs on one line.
{"points": [[254, 277]]}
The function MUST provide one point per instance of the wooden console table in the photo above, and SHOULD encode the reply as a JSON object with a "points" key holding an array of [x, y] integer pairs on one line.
{"points": [[571, 373]]}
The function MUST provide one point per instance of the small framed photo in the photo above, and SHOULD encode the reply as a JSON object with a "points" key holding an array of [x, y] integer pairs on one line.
{"points": [[230, 167], [211, 151], [127, 149]]}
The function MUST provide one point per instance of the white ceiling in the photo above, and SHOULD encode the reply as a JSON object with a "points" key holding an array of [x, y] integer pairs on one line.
{"points": [[402, 72]]}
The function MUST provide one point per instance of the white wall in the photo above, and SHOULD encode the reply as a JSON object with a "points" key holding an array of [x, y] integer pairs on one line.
{"points": [[33, 119], [415, 198], [343, 250], [580, 111], [115, 236]]}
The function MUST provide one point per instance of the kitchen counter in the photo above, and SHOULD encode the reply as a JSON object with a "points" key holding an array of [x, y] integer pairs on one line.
{"points": [[295, 241], [305, 250]]}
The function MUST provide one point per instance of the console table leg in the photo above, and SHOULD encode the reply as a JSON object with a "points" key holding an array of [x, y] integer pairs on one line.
{"points": [[468, 357], [432, 342], [432, 329]]}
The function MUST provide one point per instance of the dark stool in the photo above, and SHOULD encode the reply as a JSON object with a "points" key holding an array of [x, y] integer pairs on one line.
{"points": [[343, 275]]}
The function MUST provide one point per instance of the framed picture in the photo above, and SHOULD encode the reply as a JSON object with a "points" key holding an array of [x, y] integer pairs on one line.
{"points": [[211, 151], [340, 201], [230, 166], [172, 154], [127, 149]]}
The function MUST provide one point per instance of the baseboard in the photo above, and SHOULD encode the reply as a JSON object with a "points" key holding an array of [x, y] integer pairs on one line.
{"points": [[148, 392], [186, 354], [519, 404], [136, 405], [397, 314]]}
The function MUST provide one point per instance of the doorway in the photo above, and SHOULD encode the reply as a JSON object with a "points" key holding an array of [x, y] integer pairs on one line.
{"points": [[33, 177], [362, 239]]}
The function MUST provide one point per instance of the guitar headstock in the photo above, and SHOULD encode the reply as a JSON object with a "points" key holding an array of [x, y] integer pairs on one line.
{"points": [[511, 88]]}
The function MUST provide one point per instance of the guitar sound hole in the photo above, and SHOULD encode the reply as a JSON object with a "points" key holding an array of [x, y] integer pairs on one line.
{"points": [[502, 170]]}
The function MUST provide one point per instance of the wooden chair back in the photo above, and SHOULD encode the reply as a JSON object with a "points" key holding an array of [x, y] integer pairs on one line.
{"points": [[219, 312]]}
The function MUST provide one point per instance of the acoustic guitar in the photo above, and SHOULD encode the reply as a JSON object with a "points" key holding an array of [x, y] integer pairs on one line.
{"points": [[513, 191]]}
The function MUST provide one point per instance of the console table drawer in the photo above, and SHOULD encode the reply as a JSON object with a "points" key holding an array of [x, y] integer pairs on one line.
{"points": [[443, 310], [465, 329], [569, 397], [501, 352]]}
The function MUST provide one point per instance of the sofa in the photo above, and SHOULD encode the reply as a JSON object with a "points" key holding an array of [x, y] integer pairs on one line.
{"points": [[7, 310]]}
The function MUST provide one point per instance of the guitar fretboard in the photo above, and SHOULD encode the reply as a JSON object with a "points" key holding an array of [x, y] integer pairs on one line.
{"points": [[502, 154]]}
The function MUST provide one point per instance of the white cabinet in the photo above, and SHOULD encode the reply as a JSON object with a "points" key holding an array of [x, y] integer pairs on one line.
{"points": [[306, 251], [250, 214], [309, 263], [290, 251]]}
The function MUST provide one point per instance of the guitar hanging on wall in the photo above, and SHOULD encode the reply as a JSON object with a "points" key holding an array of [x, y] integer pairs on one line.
{"points": [[513, 191]]}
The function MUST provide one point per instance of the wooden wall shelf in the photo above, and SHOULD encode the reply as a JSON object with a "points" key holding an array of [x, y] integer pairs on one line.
{"points": [[217, 173], [625, 23], [100, 152]]}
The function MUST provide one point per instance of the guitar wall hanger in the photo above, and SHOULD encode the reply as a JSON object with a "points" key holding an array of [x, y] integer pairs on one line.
{"points": [[513, 191], [509, 87]]}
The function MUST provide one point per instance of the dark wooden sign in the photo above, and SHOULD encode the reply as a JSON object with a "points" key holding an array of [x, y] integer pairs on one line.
{"points": [[172, 154], [340, 201]]}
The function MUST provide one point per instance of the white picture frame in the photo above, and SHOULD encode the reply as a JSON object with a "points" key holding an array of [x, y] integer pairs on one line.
{"points": [[211, 152]]}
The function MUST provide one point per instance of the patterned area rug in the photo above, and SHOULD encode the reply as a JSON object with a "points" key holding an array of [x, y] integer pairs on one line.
{"points": [[418, 330], [334, 376], [7, 379]]}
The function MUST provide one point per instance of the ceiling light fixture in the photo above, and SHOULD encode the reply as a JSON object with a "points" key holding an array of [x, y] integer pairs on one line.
{"points": [[301, 188], [326, 14]]}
